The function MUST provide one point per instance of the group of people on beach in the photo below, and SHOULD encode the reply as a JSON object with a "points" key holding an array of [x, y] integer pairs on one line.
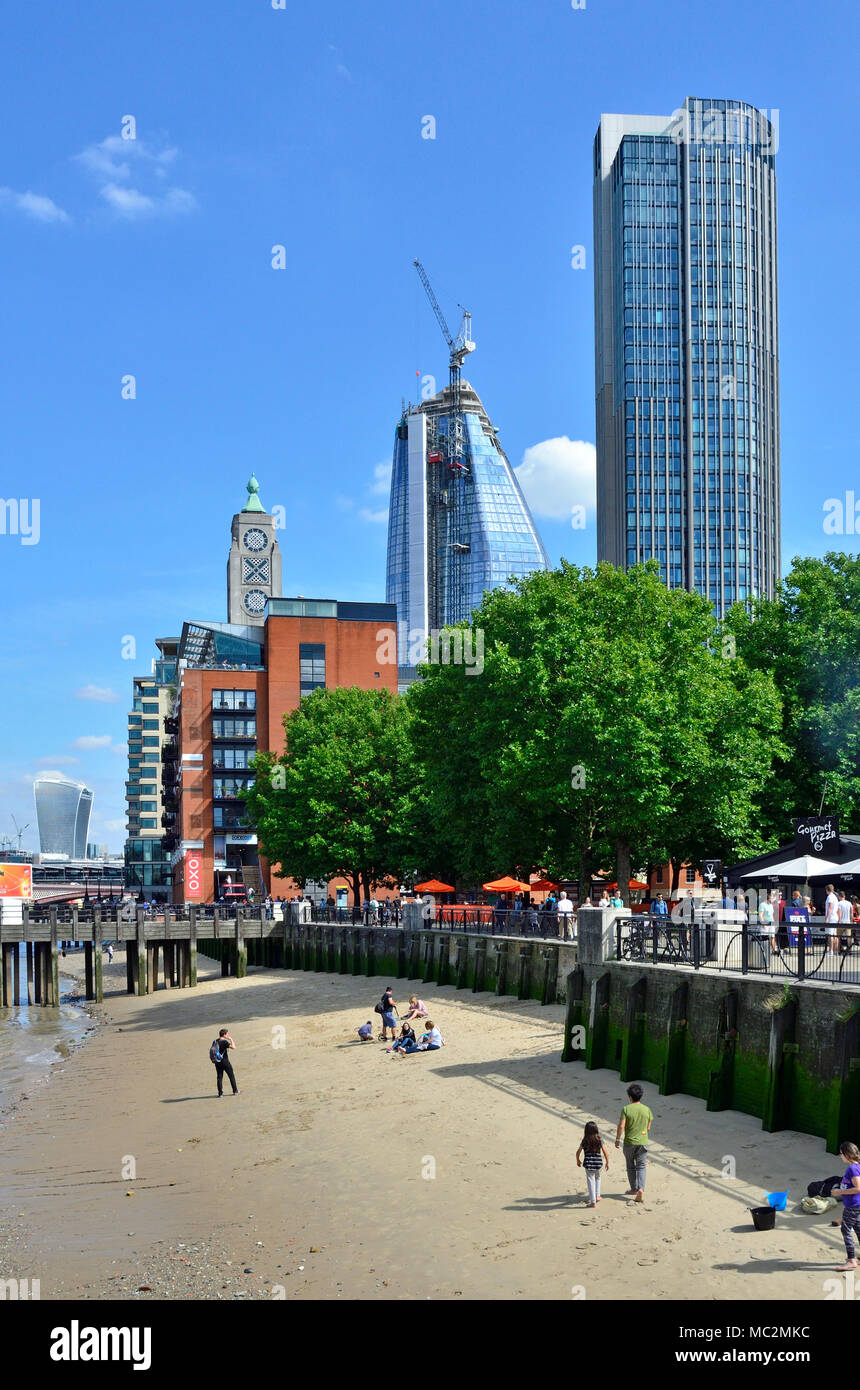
{"points": [[405, 1043]]}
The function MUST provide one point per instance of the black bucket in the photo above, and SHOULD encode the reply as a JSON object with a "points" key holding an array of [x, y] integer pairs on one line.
{"points": [[764, 1218]]}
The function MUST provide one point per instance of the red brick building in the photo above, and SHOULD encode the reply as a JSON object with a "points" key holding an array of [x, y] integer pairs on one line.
{"points": [[234, 686]]}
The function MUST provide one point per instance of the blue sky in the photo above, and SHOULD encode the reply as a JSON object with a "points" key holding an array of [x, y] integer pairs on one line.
{"points": [[301, 127]]}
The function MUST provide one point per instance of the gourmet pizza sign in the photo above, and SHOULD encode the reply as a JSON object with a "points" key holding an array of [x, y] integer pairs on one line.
{"points": [[816, 835]]}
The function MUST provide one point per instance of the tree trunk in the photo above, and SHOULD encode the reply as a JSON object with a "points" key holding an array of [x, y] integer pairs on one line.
{"points": [[356, 888], [622, 870], [674, 876]]}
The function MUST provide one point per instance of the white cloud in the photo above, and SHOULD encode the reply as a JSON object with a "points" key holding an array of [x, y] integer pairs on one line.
{"points": [[382, 478], [58, 759], [34, 205], [115, 162], [130, 202], [99, 693], [92, 741], [114, 825], [119, 750], [377, 518], [558, 475], [343, 504]]}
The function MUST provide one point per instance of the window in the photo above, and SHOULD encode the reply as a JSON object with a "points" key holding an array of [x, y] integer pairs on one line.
{"points": [[150, 742], [150, 724], [690, 876], [233, 700], [234, 728], [147, 806], [660, 875], [311, 666], [149, 708], [149, 758], [148, 825]]}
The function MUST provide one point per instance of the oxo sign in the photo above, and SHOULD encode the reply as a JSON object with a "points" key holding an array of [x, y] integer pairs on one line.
{"points": [[193, 875]]}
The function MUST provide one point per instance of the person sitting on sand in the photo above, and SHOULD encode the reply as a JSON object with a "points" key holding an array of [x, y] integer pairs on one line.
{"points": [[849, 1195], [407, 1035], [431, 1041], [417, 1009], [365, 1032]]}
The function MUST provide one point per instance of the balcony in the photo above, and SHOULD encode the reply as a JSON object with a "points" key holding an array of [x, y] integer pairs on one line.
{"points": [[226, 819], [169, 753], [171, 725]]}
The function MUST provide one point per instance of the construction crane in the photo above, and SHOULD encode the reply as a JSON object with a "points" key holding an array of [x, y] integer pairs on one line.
{"points": [[459, 350], [19, 830]]}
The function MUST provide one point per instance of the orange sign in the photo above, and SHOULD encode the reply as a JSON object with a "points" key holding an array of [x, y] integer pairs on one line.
{"points": [[16, 880]]}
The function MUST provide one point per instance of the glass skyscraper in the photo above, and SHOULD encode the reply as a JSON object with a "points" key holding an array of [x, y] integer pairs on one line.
{"points": [[453, 532], [63, 814], [686, 339]]}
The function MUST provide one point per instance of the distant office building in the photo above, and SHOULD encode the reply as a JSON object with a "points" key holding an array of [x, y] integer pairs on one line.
{"points": [[150, 789], [686, 340], [63, 812], [457, 526]]}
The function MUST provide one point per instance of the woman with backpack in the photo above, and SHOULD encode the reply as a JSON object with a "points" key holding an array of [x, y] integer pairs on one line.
{"points": [[218, 1054]]}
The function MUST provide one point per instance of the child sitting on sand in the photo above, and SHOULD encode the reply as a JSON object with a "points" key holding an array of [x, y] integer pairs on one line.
{"points": [[417, 1008], [407, 1035], [365, 1032], [595, 1156]]}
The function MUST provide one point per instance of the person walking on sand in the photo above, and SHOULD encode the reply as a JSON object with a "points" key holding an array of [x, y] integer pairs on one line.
{"points": [[849, 1195], [635, 1126], [594, 1157], [218, 1053], [389, 1009]]}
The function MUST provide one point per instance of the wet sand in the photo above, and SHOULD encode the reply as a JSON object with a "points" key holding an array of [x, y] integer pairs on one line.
{"points": [[341, 1172]]}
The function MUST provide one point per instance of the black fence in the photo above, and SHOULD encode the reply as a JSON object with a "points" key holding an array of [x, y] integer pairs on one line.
{"points": [[777, 950]]}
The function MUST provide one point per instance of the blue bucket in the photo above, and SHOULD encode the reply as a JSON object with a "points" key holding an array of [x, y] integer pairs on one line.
{"points": [[777, 1200]]}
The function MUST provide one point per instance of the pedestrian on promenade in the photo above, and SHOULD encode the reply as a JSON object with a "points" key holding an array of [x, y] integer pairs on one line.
{"points": [[594, 1157], [658, 907], [565, 917], [831, 920], [849, 1195], [388, 1009], [218, 1053], [765, 921], [635, 1127], [846, 917]]}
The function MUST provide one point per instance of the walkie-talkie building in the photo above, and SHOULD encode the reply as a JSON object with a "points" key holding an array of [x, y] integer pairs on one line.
{"points": [[686, 339], [454, 530], [63, 813]]}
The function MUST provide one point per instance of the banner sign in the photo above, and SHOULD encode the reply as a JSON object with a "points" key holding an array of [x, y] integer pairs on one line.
{"points": [[712, 872], [794, 916], [193, 876], [16, 880], [817, 835]]}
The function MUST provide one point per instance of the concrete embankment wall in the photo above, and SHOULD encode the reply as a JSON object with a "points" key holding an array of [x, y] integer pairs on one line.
{"points": [[786, 1052]]}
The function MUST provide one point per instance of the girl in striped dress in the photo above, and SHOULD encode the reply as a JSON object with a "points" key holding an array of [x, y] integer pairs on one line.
{"points": [[594, 1157]]}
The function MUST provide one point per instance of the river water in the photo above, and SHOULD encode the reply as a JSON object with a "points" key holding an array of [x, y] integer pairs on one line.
{"points": [[33, 1040]]}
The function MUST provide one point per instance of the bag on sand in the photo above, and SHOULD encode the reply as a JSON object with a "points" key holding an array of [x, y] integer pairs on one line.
{"points": [[215, 1052], [823, 1189], [814, 1206]]}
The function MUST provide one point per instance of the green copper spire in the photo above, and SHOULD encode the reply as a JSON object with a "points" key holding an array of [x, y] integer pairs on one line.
{"points": [[253, 503]]}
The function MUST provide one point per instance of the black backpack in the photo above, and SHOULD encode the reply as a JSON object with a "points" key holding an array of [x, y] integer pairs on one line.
{"points": [[215, 1051], [822, 1189]]}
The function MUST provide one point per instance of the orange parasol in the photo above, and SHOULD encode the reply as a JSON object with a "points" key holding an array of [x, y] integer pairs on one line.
{"points": [[542, 885], [632, 883], [506, 885], [434, 886]]}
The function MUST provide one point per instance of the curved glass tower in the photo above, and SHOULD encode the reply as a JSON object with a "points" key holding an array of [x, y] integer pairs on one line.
{"points": [[63, 813], [686, 338], [453, 532]]}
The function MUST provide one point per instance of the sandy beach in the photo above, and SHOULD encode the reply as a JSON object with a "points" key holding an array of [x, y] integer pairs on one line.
{"points": [[341, 1172]]}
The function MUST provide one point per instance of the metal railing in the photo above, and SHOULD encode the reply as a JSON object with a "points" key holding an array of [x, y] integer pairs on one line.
{"points": [[779, 951]]}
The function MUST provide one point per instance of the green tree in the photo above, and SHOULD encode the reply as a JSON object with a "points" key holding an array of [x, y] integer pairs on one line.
{"points": [[338, 801], [606, 726], [808, 640]]}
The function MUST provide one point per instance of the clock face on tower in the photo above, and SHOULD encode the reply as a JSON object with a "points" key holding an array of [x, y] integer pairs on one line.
{"points": [[255, 600], [255, 539]]}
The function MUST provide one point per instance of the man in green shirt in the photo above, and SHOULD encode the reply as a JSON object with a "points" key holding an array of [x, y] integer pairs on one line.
{"points": [[635, 1126]]}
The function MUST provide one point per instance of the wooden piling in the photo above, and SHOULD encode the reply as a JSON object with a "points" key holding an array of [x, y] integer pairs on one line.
{"points": [[98, 960], [780, 1067], [598, 1023], [634, 1031], [574, 1014], [29, 953], [54, 964], [241, 951], [142, 957]]}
